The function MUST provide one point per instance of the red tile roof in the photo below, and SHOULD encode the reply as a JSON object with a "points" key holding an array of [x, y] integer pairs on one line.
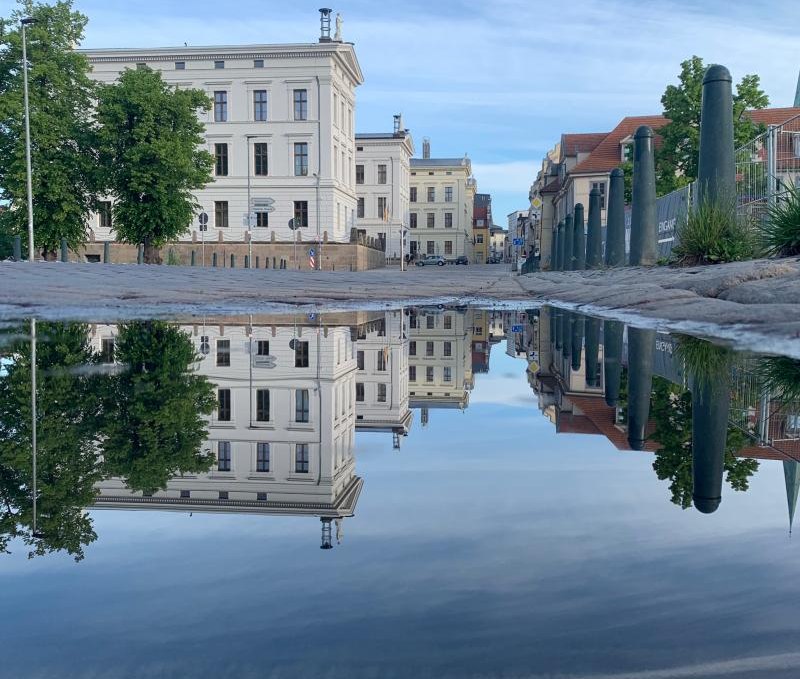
{"points": [[772, 116], [573, 144], [552, 187]]}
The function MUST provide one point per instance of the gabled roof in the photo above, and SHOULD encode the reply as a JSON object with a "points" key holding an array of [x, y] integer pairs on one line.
{"points": [[773, 116], [573, 144], [606, 155]]}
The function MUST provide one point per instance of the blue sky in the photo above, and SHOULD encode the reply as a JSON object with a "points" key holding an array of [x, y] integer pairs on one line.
{"points": [[497, 79]]}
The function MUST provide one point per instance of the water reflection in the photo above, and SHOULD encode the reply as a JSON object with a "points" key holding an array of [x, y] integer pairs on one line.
{"points": [[259, 415]]}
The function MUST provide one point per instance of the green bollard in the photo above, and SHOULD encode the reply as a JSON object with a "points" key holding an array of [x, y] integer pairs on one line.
{"points": [[644, 224], [553, 248], [710, 409], [579, 241], [641, 348], [560, 252], [594, 236], [567, 322], [214, 259], [106, 252], [612, 360], [569, 243], [577, 341], [64, 250], [247, 261], [615, 219], [592, 352], [17, 248], [233, 261], [193, 259], [140, 255], [559, 337], [716, 167], [257, 262]]}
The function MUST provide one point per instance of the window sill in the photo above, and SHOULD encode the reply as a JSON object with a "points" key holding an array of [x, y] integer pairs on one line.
{"points": [[297, 476]]}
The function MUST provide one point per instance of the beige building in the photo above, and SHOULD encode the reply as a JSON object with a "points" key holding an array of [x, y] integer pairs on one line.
{"points": [[441, 206]]}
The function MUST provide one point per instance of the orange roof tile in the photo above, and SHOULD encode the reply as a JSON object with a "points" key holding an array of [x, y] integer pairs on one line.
{"points": [[606, 155], [772, 116], [573, 144]]}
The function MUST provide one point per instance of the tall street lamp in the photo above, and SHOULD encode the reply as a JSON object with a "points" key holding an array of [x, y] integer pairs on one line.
{"points": [[27, 22]]}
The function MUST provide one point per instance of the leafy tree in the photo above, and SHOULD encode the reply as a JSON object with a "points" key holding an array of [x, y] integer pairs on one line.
{"points": [[62, 142], [676, 159], [154, 427], [150, 141], [68, 411]]}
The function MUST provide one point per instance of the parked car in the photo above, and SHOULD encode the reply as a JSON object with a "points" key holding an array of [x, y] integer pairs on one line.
{"points": [[431, 260], [462, 260], [493, 260]]}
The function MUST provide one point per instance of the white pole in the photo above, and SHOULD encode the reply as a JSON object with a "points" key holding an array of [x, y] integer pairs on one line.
{"points": [[33, 416], [25, 22]]}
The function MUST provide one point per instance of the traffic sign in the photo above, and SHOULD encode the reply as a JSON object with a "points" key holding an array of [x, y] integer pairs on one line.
{"points": [[264, 361], [257, 203], [291, 224], [312, 262], [312, 317], [518, 241], [516, 328], [203, 218], [536, 203]]}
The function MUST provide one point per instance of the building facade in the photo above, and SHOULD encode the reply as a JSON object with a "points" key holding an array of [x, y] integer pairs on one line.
{"points": [[481, 225], [281, 130], [382, 186]]}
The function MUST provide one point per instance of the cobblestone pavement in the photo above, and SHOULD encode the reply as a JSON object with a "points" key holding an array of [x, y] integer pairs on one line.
{"points": [[759, 299]]}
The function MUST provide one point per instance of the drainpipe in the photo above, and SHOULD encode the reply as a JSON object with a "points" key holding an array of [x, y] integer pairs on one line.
{"points": [[319, 170]]}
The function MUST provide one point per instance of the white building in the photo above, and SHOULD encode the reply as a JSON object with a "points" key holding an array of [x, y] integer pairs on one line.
{"points": [[281, 130], [441, 206], [382, 187]]}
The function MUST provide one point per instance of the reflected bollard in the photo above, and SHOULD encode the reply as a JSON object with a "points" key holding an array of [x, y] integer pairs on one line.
{"points": [[592, 334], [559, 336], [612, 360], [579, 241], [576, 340], [560, 253], [643, 209], [594, 236], [64, 250], [566, 334], [641, 348], [716, 167], [569, 243], [711, 397], [247, 261], [257, 262], [553, 247], [106, 252], [17, 248], [615, 219], [214, 259]]}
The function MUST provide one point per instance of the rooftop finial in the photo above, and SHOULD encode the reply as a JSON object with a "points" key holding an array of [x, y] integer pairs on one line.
{"points": [[325, 24]]}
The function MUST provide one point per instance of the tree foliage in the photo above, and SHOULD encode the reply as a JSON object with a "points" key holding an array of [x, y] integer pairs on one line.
{"points": [[677, 157], [151, 155], [63, 158]]}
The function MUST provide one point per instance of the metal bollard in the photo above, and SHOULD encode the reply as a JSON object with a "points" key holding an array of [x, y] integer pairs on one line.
{"points": [[140, 254], [257, 262], [592, 334], [569, 243], [577, 341], [560, 253], [716, 167], [106, 252], [64, 250], [641, 349], [594, 242], [214, 259], [233, 261], [612, 360], [579, 240], [615, 219], [193, 258], [247, 261], [644, 224], [17, 248]]}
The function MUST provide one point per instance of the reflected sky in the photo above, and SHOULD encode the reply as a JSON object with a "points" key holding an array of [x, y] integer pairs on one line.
{"points": [[487, 546]]}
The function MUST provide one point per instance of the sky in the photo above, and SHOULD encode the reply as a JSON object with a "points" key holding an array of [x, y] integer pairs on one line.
{"points": [[500, 80]]}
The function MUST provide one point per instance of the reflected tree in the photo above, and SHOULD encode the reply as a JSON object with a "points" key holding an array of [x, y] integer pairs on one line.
{"points": [[155, 427], [68, 413]]}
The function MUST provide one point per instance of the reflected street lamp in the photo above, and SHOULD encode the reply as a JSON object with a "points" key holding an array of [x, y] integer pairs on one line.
{"points": [[27, 22]]}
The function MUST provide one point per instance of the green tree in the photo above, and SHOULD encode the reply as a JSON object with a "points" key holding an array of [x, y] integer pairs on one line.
{"points": [[150, 141], [155, 426], [676, 159], [63, 154], [68, 418]]}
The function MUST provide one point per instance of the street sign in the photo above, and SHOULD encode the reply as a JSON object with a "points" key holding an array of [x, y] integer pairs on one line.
{"points": [[203, 219], [291, 224], [312, 262], [264, 361], [536, 203], [518, 241], [516, 328], [312, 317], [257, 203], [249, 220]]}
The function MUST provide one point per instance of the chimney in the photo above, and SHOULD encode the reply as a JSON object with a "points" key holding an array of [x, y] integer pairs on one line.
{"points": [[398, 123], [426, 148], [325, 24]]}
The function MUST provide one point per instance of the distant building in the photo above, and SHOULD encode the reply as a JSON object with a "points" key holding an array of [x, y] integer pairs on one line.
{"points": [[498, 243], [481, 224], [518, 231]]}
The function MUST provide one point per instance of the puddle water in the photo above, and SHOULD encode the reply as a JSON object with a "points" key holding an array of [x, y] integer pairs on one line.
{"points": [[419, 492]]}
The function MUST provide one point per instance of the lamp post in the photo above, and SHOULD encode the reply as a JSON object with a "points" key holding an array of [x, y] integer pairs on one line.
{"points": [[27, 22]]}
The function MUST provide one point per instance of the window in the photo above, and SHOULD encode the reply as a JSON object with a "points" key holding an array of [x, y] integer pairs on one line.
{"points": [[301, 458], [382, 212], [223, 353], [104, 212], [262, 348], [479, 238], [107, 347], [479, 330], [359, 174], [359, 392], [262, 220], [262, 405], [360, 359], [412, 348], [448, 348], [429, 348], [261, 497], [361, 208], [413, 194], [186, 494], [262, 457], [602, 187], [301, 105], [300, 354], [448, 194], [261, 165], [301, 213], [412, 220], [258, 63], [447, 374], [221, 160], [381, 174], [431, 220], [430, 247], [180, 65], [412, 373], [448, 220], [260, 105], [220, 107], [381, 360], [448, 247], [381, 393], [431, 194], [219, 64], [429, 374], [301, 159], [301, 405], [223, 495], [224, 405], [221, 214], [448, 322], [141, 66], [223, 456], [430, 322]]}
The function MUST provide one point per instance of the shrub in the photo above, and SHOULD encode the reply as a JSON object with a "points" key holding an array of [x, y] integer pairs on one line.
{"points": [[712, 233], [780, 232]]}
